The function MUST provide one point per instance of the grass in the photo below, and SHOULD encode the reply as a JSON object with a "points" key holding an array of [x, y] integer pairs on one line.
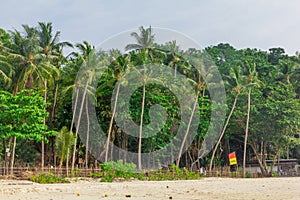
{"points": [[119, 171]]}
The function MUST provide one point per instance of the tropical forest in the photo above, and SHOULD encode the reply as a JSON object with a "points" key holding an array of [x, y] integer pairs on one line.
{"points": [[50, 99]]}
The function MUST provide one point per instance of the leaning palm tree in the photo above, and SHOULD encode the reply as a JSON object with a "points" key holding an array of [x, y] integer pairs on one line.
{"points": [[201, 76], [119, 68], [251, 79], [145, 39], [89, 62], [235, 79]]}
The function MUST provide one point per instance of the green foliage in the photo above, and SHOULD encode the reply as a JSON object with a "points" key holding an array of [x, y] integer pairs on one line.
{"points": [[48, 179], [22, 116], [34, 55], [64, 142], [117, 170]]}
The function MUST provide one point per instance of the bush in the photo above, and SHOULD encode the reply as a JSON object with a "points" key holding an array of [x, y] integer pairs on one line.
{"points": [[116, 170], [48, 179]]}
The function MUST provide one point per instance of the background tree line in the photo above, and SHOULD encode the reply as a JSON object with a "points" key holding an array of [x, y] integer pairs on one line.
{"points": [[262, 91]]}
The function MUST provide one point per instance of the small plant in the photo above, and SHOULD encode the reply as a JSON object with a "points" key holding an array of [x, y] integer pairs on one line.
{"points": [[117, 170], [48, 179], [248, 175]]}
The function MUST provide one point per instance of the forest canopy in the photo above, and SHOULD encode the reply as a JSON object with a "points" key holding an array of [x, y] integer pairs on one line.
{"points": [[41, 101]]}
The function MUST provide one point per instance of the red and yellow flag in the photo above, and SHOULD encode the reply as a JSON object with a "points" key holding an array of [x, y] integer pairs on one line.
{"points": [[232, 158]]}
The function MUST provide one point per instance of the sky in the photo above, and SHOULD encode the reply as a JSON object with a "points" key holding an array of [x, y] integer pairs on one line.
{"points": [[261, 24]]}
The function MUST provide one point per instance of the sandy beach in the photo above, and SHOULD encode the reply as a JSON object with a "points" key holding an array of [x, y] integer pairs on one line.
{"points": [[207, 188]]}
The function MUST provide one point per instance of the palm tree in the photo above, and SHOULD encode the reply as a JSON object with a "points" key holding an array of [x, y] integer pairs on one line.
{"points": [[89, 61], [174, 50], [6, 70], [64, 143], [120, 66], [145, 39], [51, 48], [201, 76], [30, 67], [286, 69], [234, 77], [251, 80]]}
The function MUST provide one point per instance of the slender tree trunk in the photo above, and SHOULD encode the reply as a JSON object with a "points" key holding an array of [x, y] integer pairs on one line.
{"points": [[67, 162], [44, 122], [8, 156], [12, 161], [54, 103], [262, 164], [74, 109], [223, 132], [246, 133], [5, 156], [276, 159], [187, 130], [87, 134], [78, 121], [141, 127], [111, 122]]}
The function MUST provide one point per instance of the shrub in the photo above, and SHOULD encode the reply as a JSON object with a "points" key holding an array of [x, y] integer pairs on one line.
{"points": [[48, 179]]}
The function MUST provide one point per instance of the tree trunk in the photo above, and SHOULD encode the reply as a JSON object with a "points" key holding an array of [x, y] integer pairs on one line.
{"points": [[78, 121], [44, 122], [111, 122], [12, 161], [223, 132], [187, 130], [74, 109], [246, 133], [87, 134], [262, 164], [67, 162], [141, 127], [54, 104]]}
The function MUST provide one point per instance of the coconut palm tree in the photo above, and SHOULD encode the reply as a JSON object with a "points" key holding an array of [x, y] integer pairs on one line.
{"points": [[174, 51], [51, 48], [200, 77], [235, 79], [30, 67], [251, 78], [145, 39], [119, 68], [64, 143], [89, 61]]}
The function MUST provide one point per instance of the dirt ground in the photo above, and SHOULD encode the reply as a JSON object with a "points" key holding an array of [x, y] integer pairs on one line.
{"points": [[207, 188]]}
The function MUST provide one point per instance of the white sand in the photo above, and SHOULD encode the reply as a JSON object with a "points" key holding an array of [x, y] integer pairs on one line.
{"points": [[207, 188]]}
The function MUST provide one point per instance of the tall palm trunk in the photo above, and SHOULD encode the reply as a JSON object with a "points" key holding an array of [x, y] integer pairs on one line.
{"points": [[87, 134], [141, 126], [74, 109], [78, 121], [246, 132], [223, 132], [44, 122], [54, 103], [111, 122], [12, 159], [67, 162], [187, 130]]}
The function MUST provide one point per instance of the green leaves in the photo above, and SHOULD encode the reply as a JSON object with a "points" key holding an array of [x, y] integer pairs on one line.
{"points": [[22, 115]]}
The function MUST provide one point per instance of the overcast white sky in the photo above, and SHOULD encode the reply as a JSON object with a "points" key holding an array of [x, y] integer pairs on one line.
{"points": [[242, 23]]}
